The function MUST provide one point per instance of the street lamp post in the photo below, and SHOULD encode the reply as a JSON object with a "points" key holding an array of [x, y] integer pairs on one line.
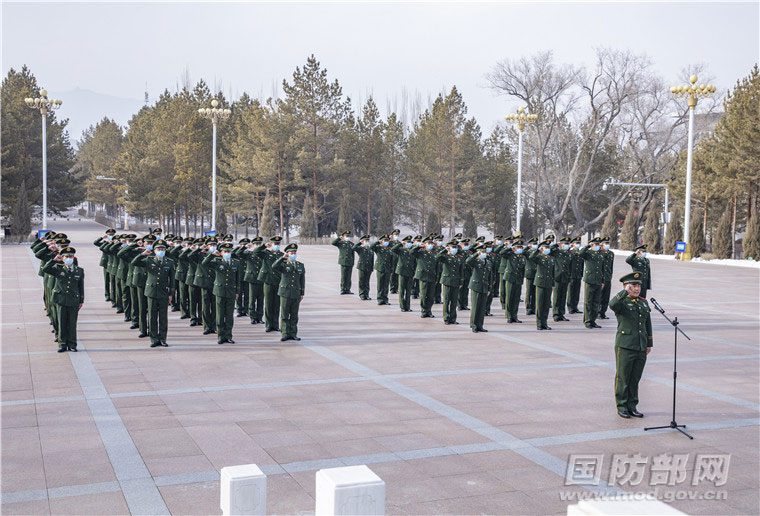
{"points": [[666, 218], [692, 92], [215, 114], [44, 104], [126, 192], [522, 118]]}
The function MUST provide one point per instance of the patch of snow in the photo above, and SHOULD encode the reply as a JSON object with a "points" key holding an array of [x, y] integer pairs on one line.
{"points": [[735, 263]]}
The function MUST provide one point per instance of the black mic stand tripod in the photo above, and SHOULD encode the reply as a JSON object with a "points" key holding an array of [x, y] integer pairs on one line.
{"points": [[676, 330]]}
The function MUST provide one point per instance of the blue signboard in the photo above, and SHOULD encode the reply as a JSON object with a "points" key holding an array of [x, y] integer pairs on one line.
{"points": [[680, 247], [41, 232], [210, 233]]}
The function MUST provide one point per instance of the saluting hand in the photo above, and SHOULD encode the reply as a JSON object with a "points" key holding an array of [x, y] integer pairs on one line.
{"points": [[80, 307], [58, 258], [146, 253]]}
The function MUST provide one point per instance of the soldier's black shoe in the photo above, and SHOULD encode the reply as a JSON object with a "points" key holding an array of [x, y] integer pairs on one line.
{"points": [[75, 350], [175, 309], [230, 341], [464, 308], [221, 341], [565, 318], [62, 350], [155, 344], [185, 317], [164, 344], [624, 414], [241, 314], [489, 315], [475, 330], [483, 330], [530, 313], [518, 320], [446, 322], [295, 338], [206, 332], [127, 319], [283, 339], [573, 311], [119, 311], [510, 321], [142, 335], [193, 323], [589, 326], [602, 316], [594, 325], [134, 326], [557, 318], [454, 322], [634, 412]]}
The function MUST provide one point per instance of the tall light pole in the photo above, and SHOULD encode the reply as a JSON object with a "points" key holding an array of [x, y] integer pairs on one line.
{"points": [[522, 118], [215, 114], [44, 104], [692, 92], [666, 217], [126, 191]]}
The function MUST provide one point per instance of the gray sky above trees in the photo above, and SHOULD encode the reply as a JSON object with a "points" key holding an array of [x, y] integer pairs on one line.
{"points": [[390, 51]]}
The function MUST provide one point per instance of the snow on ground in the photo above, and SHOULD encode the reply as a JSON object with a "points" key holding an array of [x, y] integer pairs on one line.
{"points": [[735, 263]]}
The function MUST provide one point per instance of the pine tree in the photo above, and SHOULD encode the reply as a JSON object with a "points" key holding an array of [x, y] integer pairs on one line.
{"points": [[674, 233], [308, 225], [651, 236], [629, 234], [697, 234], [722, 247], [527, 225], [432, 223], [344, 215], [609, 228], [268, 223], [470, 229], [21, 220], [751, 242]]}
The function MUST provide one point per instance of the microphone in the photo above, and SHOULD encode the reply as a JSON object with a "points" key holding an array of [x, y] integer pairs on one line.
{"points": [[657, 305]]}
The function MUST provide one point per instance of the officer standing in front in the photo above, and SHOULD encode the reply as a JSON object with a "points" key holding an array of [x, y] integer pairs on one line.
{"points": [[345, 260], [291, 290], [158, 289], [67, 296], [633, 342]]}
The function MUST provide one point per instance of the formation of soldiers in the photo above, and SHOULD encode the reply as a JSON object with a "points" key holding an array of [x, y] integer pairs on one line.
{"points": [[206, 279], [424, 268]]}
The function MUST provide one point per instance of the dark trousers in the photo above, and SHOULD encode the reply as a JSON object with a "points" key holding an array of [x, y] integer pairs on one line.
{"points": [[574, 293], [592, 295], [115, 294], [107, 284], [158, 314], [289, 315], [135, 305], [463, 293], [345, 278], [394, 282], [242, 299], [491, 294], [543, 305], [450, 301], [126, 299], [66, 317], [184, 298], [512, 298], [256, 301], [405, 292], [629, 368], [530, 296], [478, 309], [364, 277], [503, 291], [427, 291], [174, 293], [415, 288], [142, 304], [437, 291], [225, 317], [271, 307], [604, 296], [383, 279], [558, 298], [195, 307], [208, 309]]}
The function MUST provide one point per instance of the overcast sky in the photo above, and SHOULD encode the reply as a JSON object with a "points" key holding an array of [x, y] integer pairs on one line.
{"points": [[371, 48]]}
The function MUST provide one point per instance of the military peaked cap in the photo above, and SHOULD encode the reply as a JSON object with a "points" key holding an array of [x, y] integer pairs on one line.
{"points": [[631, 277], [159, 243], [257, 239], [226, 246], [346, 233], [110, 231], [642, 247], [68, 250], [276, 239], [291, 247]]}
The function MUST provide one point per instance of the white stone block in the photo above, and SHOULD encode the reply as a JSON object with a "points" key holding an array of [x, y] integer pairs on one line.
{"points": [[352, 490], [623, 505], [243, 491]]}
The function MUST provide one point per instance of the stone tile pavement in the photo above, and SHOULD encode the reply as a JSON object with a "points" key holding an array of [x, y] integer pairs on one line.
{"points": [[455, 423]]}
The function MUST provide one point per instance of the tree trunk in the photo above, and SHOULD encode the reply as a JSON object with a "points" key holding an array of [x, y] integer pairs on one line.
{"points": [[704, 221], [369, 211], [733, 230], [453, 200], [279, 191], [258, 214], [316, 220]]}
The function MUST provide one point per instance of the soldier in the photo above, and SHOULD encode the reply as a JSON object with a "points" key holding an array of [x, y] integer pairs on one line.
{"points": [[158, 289], [593, 278], [291, 291], [576, 277], [465, 252], [383, 266], [498, 241], [345, 260], [609, 262], [46, 254], [404, 272], [562, 263], [110, 248], [195, 294], [494, 260], [633, 342], [479, 282], [251, 280], [180, 257], [204, 280], [437, 299], [67, 296], [127, 254], [543, 282], [393, 284], [227, 275], [173, 252], [640, 263], [425, 272], [270, 278], [451, 279], [243, 288], [122, 271], [513, 275], [415, 282], [499, 246], [365, 266], [104, 261], [530, 274]]}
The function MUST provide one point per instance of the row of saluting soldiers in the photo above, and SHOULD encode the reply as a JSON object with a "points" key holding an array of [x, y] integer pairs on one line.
{"points": [[206, 279], [425, 268]]}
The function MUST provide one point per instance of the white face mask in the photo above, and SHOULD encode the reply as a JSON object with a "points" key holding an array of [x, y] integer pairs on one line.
{"points": [[160, 253], [68, 261], [466, 248], [453, 250], [149, 247], [643, 254], [519, 250], [595, 248], [607, 247], [566, 247], [395, 237], [489, 249], [366, 244], [292, 257], [498, 242], [212, 249], [275, 248], [408, 245], [348, 239], [226, 256], [547, 251], [483, 255], [385, 244], [429, 247]]}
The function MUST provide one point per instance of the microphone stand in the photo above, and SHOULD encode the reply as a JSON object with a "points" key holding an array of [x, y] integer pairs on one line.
{"points": [[676, 331]]}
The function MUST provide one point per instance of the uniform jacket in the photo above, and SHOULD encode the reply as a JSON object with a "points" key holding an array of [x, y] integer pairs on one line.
{"points": [[292, 277], [515, 265], [634, 322], [562, 262], [68, 288], [609, 263], [366, 257], [426, 264], [202, 277], [103, 256], [345, 252], [405, 260], [544, 277], [267, 274], [251, 265], [160, 273], [384, 257], [576, 265], [641, 265], [480, 274], [451, 274], [594, 266], [227, 275], [530, 267]]}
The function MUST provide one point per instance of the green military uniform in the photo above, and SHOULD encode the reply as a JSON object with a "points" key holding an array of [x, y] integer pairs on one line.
{"points": [[404, 271], [104, 261], [383, 267], [633, 338], [451, 280], [514, 272], [228, 273], [173, 252], [243, 288], [640, 264], [543, 282], [562, 264], [494, 260], [345, 260], [109, 248], [609, 262], [530, 275], [194, 293], [67, 297], [126, 254], [500, 245], [179, 255], [593, 276], [271, 280], [415, 282], [251, 268], [498, 271], [204, 278], [139, 278], [290, 290], [466, 272], [576, 278], [479, 282], [45, 254], [438, 270], [425, 272], [365, 266], [160, 270], [394, 277]]}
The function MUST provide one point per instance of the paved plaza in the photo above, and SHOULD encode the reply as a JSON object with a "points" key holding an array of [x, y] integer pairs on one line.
{"points": [[453, 422]]}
